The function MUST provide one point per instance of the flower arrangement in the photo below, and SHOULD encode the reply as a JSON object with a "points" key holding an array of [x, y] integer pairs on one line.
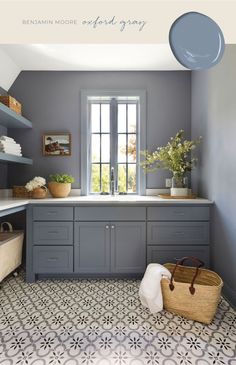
{"points": [[176, 156], [36, 182]]}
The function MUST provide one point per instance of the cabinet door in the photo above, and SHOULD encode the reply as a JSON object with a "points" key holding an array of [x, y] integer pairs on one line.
{"points": [[128, 247], [92, 247]]}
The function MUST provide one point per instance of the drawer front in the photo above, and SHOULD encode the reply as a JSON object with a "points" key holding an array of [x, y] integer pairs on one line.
{"points": [[110, 214], [53, 233], [178, 213], [52, 213], [163, 254], [52, 259], [176, 233]]}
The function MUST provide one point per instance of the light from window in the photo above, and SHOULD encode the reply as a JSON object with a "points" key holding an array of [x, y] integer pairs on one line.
{"points": [[113, 125]]}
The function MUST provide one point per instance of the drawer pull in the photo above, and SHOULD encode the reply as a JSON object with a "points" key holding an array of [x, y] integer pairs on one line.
{"points": [[52, 259], [179, 233], [53, 232], [52, 212], [178, 213]]}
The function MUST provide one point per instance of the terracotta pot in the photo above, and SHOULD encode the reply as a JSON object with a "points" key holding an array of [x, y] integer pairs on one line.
{"points": [[59, 190], [39, 193]]}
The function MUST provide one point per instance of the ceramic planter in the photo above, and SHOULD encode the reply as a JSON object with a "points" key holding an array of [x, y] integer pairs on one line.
{"points": [[59, 190]]}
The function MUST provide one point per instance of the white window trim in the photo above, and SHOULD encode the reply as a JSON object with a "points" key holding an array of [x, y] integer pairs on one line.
{"points": [[85, 133]]}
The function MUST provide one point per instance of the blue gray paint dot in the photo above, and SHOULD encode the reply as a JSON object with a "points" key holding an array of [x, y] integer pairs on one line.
{"points": [[196, 41]]}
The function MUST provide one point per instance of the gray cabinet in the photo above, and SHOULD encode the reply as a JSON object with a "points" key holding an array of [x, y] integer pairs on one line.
{"points": [[102, 213], [164, 253], [110, 247], [128, 247], [53, 213], [92, 247], [112, 240], [174, 232], [48, 259], [53, 233]]}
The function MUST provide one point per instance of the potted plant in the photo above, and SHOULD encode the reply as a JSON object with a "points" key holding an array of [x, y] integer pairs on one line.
{"points": [[60, 185], [37, 187], [177, 157]]}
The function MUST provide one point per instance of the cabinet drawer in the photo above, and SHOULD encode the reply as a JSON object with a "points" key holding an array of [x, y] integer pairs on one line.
{"points": [[163, 254], [176, 233], [52, 259], [178, 213], [53, 233], [53, 213], [110, 214]]}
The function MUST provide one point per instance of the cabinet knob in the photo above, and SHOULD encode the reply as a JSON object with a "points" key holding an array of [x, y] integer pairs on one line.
{"points": [[107, 227], [112, 227]]}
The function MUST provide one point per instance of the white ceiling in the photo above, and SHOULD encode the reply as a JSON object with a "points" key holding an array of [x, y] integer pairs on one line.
{"points": [[15, 58], [92, 57]]}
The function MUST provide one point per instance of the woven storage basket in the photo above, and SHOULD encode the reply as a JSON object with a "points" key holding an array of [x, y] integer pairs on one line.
{"points": [[192, 292], [11, 243], [20, 192]]}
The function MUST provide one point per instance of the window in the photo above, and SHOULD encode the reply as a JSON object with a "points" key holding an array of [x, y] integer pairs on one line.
{"points": [[112, 131]]}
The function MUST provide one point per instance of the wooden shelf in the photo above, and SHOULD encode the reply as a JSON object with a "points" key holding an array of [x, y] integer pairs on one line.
{"points": [[10, 119], [6, 157]]}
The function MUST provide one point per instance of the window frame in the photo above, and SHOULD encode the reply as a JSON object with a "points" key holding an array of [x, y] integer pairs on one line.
{"points": [[86, 95]]}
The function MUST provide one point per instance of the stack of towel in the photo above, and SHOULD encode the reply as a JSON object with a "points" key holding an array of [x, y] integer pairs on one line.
{"points": [[9, 145]]}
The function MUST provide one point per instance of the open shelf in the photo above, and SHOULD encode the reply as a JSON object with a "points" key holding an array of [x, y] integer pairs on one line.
{"points": [[10, 119], [6, 157]]}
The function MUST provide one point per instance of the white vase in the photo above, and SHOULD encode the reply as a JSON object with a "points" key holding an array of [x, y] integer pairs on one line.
{"points": [[179, 191]]}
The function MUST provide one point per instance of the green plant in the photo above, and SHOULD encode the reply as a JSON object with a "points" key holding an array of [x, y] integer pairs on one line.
{"points": [[176, 156], [61, 178]]}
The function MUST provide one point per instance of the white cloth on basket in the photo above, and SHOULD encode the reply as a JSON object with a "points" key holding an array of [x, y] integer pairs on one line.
{"points": [[150, 288]]}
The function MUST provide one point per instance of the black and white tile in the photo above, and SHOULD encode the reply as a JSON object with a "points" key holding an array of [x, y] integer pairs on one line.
{"points": [[101, 322]]}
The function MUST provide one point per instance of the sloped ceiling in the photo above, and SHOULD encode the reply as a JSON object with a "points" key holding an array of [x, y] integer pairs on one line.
{"points": [[83, 57]]}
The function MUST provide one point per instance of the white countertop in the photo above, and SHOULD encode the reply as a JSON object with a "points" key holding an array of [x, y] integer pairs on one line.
{"points": [[8, 203]]}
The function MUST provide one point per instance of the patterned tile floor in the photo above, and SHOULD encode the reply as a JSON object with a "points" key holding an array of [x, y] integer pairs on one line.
{"points": [[101, 322]]}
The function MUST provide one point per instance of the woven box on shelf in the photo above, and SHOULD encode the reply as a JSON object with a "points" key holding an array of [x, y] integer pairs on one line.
{"points": [[20, 192], [11, 102], [193, 293]]}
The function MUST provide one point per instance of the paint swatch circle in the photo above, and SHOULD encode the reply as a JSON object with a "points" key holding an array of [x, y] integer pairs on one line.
{"points": [[196, 41]]}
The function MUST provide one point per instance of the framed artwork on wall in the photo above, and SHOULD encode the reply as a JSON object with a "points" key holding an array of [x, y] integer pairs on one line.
{"points": [[57, 144]]}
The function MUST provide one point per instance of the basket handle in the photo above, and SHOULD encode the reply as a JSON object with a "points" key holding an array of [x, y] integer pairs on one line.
{"points": [[8, 224], [198, 263]]}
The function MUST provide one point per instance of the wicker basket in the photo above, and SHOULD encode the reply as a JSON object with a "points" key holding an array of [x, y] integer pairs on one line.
{"points": [[192, 292], [11, 102], [11, 243], [20, 192]]}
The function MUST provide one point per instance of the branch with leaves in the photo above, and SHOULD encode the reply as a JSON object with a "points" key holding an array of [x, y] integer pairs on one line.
{"points": [[176, 156]]}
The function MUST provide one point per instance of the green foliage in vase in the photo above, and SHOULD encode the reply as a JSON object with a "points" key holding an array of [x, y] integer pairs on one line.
{"points": [[62, 178], [177, 156]]}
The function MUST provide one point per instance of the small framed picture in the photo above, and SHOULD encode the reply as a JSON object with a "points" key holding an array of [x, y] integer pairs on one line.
{"points": [[57, 144]]}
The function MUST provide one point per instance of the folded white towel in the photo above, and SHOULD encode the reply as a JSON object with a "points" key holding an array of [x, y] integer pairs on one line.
{"points": [[18, 149], [150, 288], [6, 138], [9, 143], [12, 153]]}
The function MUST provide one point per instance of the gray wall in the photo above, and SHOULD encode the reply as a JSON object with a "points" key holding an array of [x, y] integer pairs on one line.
{"points": [[214, 117], [52, 101], [3, 166]]}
